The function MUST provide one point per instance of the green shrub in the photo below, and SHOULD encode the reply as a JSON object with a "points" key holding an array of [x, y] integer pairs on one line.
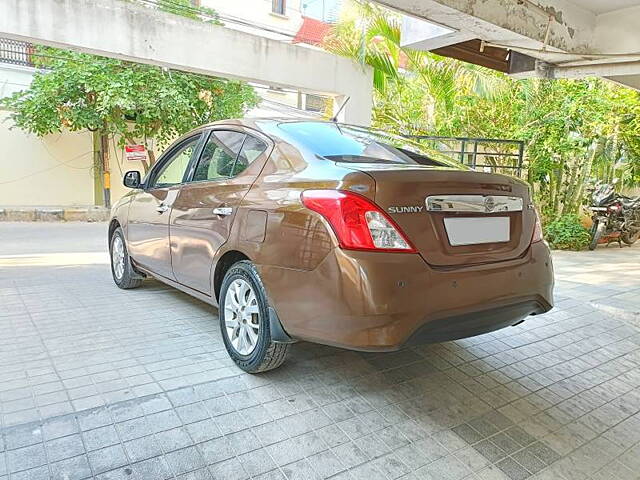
{"points": [[567, 233]]}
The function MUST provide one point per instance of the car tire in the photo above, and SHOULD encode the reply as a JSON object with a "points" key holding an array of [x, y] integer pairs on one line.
{"points": [[122, 271], [245, 321]]}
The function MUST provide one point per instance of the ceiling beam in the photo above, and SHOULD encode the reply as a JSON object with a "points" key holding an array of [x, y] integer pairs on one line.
{"points": [[120, 29]]}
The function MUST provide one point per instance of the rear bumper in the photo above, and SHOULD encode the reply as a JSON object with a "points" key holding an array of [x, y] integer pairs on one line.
{"points": [[476, 323], [381, 302]]}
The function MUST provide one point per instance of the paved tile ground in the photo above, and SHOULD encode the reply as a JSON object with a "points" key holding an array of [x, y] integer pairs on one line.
{"points": [[96, 382]]}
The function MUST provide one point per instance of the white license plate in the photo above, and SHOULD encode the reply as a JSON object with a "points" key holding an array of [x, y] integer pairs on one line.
{"points": [[472, 231], [598, 209]]}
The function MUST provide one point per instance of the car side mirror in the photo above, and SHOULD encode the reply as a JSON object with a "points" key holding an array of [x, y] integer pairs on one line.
{"points": [[132, 179]]}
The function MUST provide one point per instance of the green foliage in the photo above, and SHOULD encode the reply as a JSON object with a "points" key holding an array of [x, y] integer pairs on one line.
{"points": [[185, 8], [132, 101], [567, 233], [575, 131]]}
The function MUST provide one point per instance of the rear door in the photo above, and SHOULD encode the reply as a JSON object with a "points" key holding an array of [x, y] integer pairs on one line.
{"points": [[206, 205], [149, 211]]}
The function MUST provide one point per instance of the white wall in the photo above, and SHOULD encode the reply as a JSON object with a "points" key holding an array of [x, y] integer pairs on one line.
{"points": [[258, 13], [14, 78]]}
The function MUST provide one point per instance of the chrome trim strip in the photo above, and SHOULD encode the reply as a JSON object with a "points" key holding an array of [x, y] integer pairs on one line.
{"points": [[474, 203]]}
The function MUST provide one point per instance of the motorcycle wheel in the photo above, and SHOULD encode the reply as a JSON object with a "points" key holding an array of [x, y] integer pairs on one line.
{"points": [[630, 238], [595, 236]]}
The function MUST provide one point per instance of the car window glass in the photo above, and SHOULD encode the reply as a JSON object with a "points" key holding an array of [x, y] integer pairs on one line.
{"points": [[343, 143], [218, 156], [173, 170], [251, 149]]}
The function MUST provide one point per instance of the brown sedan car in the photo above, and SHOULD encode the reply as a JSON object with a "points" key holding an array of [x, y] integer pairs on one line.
{"points": [[333, 234]]}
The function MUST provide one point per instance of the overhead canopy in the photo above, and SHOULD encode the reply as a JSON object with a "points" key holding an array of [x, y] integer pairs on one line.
{"points": [[121, 29], [544, 38]]}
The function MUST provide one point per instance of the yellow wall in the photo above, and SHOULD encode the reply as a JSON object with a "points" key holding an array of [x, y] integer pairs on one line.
{"points": [[52, 171], [56, 170]]}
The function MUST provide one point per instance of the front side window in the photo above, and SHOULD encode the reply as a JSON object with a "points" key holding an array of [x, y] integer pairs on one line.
{"points": [[219, 156], [172, 171]]}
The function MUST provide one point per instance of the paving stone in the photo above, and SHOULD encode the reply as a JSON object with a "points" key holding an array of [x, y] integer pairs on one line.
{"points": [[468, 433], [185, 460], [490, 451], [216, 450], [100, 437], [60, 427], [134, 428], [26, 458], [257, 462], [557, 397], [230, 469], [64, 447], [22, 436], [513, 469], [193, 412], [107, 458], [203, 430], [174, 439], [300, 470], [75, 468], [142, 448], [153, 468]]}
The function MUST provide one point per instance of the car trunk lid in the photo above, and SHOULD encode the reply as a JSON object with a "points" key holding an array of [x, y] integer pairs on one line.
{"points": [[456, 217]]}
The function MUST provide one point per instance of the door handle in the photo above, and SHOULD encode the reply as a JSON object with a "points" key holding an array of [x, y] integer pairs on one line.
{"points": [[223, 211], [162, 208]]}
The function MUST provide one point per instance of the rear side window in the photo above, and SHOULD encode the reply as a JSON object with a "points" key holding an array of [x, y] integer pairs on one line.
{"points": [[219, 156], [251, 149], [343, 143]]}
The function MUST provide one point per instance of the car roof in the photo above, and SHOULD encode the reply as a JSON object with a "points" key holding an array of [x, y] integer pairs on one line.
{"points": [[258, 123]]}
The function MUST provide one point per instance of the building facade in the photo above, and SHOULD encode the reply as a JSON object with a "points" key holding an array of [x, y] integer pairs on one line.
{"points": [[60, 170]]}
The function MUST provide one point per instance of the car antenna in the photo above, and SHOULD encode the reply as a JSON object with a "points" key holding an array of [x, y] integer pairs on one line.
{"points": [[334, 119]]}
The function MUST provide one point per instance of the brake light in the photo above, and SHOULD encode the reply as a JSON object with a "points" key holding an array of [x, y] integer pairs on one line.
{"points": [[358, 223], [537, 230], [615, 208]]}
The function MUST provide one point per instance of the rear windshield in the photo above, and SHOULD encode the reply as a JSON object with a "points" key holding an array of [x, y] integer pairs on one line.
{"points": [[342, 143]]}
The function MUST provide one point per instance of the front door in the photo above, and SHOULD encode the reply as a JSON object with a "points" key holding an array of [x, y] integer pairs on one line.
{"points": [[206, 205], [149, 212]]}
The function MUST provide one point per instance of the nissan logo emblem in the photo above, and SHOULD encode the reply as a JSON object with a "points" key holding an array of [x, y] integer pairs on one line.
{"points": [[489, 204]]}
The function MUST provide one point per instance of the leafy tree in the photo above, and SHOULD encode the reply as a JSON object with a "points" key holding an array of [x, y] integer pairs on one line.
{"points": [[128, 101], [189, 9], [575, 131]]}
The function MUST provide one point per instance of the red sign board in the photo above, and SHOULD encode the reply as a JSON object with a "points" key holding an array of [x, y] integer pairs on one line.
{"points": [[135, 152]]}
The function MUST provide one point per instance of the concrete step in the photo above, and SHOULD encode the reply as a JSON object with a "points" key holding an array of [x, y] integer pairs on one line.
{"points": [[54, 214]]}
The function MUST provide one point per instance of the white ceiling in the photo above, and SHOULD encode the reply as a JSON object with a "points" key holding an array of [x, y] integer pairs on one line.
{"points": [[604, 6]]}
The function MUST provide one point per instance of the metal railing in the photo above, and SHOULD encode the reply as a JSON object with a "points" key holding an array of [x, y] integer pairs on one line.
{"points": [[487, 154], [16, 52]]}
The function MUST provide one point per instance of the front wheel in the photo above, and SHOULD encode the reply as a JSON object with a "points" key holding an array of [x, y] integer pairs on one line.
{"points": [[122, 271], [596, 234], [630, 238], [245, 323]]}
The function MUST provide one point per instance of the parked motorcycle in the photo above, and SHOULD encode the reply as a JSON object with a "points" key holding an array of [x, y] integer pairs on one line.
{"points": [[615, 217]]}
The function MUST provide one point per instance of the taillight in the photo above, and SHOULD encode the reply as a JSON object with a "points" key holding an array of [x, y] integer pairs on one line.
{"points": [[358, 223], [537, 230], [616, 207]]}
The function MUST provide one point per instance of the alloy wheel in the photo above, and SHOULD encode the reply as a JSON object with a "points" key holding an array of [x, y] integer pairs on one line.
{"points": [[242, 316], [117, 257]]}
